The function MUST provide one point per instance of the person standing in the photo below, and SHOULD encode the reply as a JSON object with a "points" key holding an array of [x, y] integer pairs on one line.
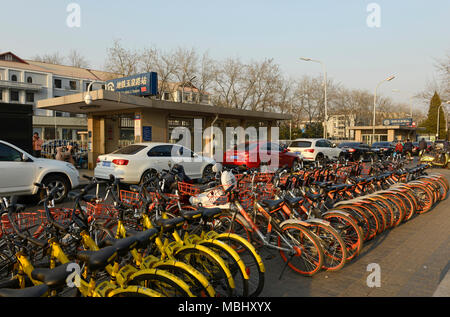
{"points": [[37, 145], [399, 148], [407, 149], [422, 146]]}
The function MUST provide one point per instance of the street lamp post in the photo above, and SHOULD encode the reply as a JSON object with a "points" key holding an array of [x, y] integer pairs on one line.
{"points": [[325, 88], [375, 104]]}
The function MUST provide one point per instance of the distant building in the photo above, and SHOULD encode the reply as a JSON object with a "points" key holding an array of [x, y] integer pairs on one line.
{"points": [[338, 127], [26, 82]]}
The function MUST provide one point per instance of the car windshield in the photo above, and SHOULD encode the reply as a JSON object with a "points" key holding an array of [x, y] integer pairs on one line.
{"points": [[348, 144], [381, 144], [301, 144], [130, 149], [245, 146]]}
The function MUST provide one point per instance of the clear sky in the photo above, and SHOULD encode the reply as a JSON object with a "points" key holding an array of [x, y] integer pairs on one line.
{"points": [[411, 35]]}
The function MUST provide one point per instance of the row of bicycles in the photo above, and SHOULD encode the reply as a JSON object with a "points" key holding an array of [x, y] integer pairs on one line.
{"points": [[171, 236]]}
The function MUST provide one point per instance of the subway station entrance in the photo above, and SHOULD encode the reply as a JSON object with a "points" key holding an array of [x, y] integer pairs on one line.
{"points": [[116, 120]]}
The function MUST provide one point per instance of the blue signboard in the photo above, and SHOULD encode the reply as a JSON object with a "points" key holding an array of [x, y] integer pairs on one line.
{"points": [[399, 122], [146, 134], [145, 84]]}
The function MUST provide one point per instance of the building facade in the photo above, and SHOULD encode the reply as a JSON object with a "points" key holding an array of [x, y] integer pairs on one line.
{"points": [[26, 82]]}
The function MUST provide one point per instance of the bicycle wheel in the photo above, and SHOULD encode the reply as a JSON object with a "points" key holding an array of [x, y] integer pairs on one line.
{"points": [[360, 217], [334, 250], [306, 257], [161, 281], [198, 283], [377, 212], [349, 231], [211, 265], [134, 291], [230, 223], [234, 263], [398, 208], [253, 263], [424, 197]]}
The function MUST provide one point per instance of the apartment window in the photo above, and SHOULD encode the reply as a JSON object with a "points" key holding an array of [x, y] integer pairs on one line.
{"points": [[13, 78], [30, 97], [73, 85], [58, 83], [166, 96], [14, 95], [29, 80]]}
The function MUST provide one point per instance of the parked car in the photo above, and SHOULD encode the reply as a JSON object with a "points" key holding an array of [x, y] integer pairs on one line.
{"points": [[138, 162], [20, 170], [355, 151], [250, 155], [383, 149], [315, 149]]}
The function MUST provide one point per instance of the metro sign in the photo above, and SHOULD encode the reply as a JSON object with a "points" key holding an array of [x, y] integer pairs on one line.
{"points": [[145, 84]]}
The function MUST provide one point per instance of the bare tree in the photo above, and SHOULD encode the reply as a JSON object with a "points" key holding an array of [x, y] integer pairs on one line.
{"points": [[54, 58], [122, 61], [75, 59]]}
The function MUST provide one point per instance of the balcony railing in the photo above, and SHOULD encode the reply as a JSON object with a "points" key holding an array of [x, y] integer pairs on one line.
{"points": [[8, 84]]}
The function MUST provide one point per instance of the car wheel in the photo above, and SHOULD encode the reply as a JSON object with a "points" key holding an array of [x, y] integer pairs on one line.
{"points": [[320, 158], [58, 181], [296, 165], [148, 175], [208, 172]]}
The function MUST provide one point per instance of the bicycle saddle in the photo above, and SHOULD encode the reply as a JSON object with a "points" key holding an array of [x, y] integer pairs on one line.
{"points": [[313, 197], [34, 291], [169, 223], [52, 277], [209, 213], [322, 184], [97, 260], [191, 214], [292, 201], [272, 204], [145, 237], [122, 246]]}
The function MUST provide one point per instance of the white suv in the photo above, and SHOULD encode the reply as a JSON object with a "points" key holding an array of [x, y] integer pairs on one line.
{"points": [[20, 170], [315, 149]]}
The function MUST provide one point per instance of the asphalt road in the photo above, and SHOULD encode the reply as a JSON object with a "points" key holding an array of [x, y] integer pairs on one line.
{"points": [[413, 260]]}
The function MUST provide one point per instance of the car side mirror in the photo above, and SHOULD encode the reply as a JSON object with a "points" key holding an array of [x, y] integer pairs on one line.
{"points": [[333, 145], [24, 157]]}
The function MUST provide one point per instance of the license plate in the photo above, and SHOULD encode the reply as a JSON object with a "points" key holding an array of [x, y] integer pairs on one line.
{"points": [[106, 164], [234, 157]]}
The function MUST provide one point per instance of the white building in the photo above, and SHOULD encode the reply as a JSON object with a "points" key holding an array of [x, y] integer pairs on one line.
{"points": [[26, 82], [338, 127]]}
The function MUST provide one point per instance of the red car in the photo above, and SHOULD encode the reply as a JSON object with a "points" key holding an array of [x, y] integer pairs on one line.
{"points": [[251, 155]]}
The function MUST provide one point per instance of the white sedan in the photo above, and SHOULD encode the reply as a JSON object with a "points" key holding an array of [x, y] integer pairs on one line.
{"points": [[138, 162]]}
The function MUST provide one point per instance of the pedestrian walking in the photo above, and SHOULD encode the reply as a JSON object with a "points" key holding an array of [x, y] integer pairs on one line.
{"points": [[37, 145], [422, 146], [407, 149]]}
